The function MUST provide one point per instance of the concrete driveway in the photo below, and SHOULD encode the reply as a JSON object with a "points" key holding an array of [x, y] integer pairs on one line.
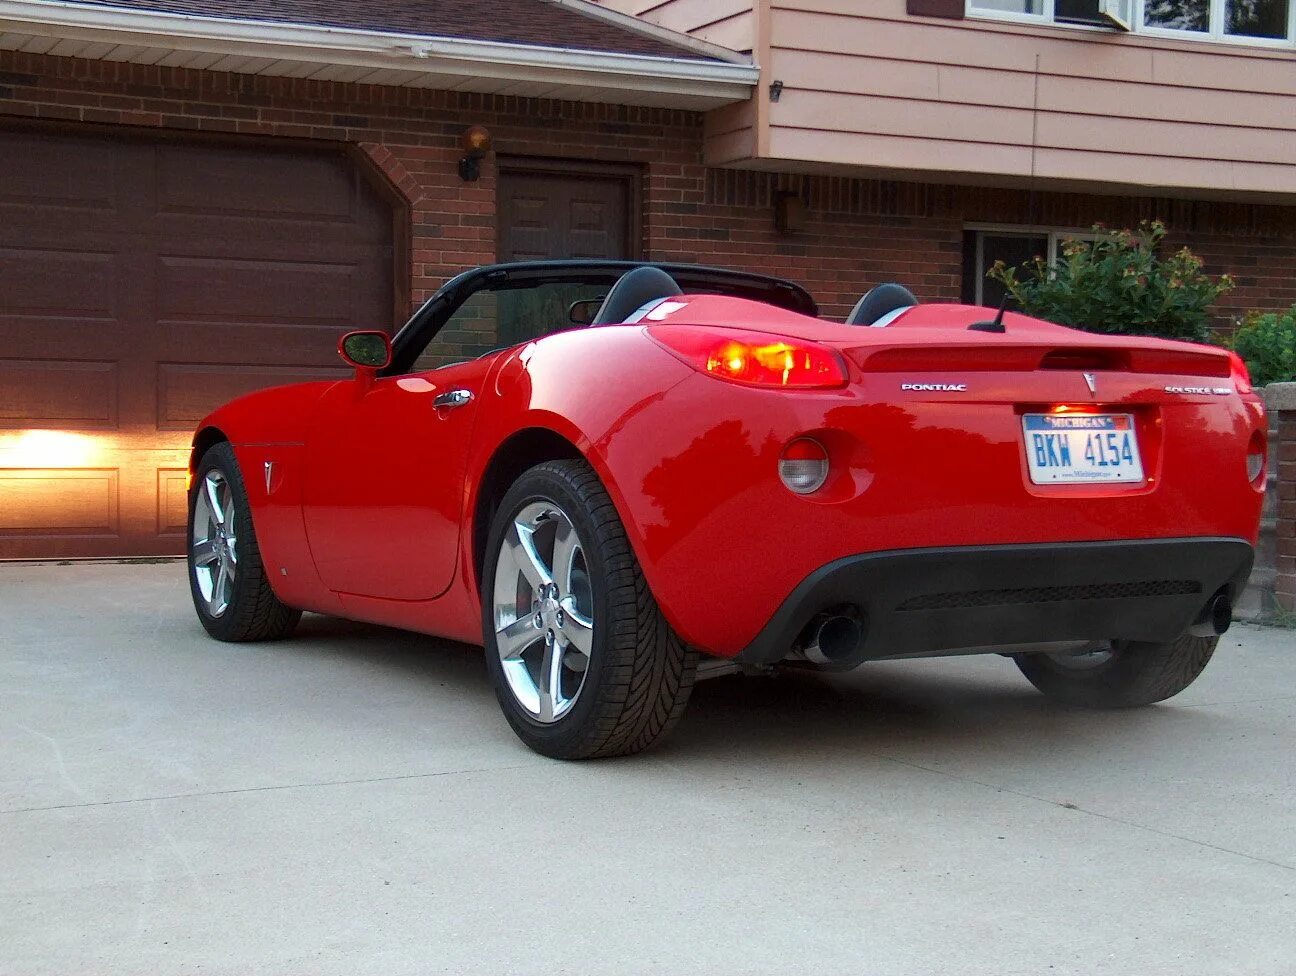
{"points": [[352, 802]]}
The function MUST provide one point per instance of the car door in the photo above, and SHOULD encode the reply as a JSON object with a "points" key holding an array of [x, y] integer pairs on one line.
{"points": [[383, 495]]}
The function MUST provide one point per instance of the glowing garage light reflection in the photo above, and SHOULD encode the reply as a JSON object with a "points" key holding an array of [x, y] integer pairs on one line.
{"points": [[49, 449]]}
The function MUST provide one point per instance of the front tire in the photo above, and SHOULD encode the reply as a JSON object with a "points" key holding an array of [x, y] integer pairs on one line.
{"points": [[1120, 674], [583, 662], [226, 576]]}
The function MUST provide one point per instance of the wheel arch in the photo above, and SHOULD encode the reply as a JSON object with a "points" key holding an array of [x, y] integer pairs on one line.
{"points": [[519, 451], [204, 440]]}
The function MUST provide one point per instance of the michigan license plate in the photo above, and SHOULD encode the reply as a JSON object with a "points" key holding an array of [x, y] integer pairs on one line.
{"points": [[1081, 448]]}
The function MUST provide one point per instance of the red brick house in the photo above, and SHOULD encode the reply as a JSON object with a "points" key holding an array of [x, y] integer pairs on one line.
{"points": [[197, 196]]}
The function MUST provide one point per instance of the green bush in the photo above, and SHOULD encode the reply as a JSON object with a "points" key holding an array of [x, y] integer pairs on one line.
{"points": [[1119, 284], [1267, 341]]}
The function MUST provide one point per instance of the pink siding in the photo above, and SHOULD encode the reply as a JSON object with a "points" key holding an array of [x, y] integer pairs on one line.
{"points": [[990, 102], [729, 23]]}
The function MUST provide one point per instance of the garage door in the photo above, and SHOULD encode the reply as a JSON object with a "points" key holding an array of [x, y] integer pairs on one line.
{"points": [[143, 283]]}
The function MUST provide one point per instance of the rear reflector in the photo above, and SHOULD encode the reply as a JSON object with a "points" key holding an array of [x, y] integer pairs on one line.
{"points": [[803, 467]]}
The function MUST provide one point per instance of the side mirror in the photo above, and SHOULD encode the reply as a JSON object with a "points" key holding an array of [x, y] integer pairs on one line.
{"points": [[367, 351], [583, 312]]}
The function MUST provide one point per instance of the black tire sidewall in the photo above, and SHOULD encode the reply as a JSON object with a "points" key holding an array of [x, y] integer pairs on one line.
{"points": [[220, 457], [572, 733]]}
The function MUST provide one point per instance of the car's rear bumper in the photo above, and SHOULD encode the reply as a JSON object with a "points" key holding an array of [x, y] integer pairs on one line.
{"points": [[926, 601]]}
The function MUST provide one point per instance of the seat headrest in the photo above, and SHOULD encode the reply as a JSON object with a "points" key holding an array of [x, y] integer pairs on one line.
{"points": [[879, 301], [632, 291]]}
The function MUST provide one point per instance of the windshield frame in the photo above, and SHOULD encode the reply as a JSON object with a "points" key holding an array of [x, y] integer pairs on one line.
{"points": [[413, 338]]}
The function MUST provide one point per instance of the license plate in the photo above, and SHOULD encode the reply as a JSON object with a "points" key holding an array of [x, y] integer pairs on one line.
{"points": [[1081, 448]]}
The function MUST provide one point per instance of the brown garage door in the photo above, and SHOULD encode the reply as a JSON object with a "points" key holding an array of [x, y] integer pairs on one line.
{"points": [[143, 283]]}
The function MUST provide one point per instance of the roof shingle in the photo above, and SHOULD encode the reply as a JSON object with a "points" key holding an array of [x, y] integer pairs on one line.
{"points": [[534, 22]]}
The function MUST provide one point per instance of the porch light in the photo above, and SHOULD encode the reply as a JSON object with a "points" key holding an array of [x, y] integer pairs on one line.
{"points": [[476, 143]]}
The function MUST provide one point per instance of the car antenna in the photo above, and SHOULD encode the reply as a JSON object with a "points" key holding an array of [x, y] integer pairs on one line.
{"points": [[998, 324]]}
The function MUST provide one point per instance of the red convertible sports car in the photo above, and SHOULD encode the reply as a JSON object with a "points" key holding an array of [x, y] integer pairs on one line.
{"points": [[622, 477]]}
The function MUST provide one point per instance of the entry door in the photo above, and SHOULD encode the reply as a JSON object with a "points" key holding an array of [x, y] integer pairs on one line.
{"points": [[384, 482], [569, 211]]}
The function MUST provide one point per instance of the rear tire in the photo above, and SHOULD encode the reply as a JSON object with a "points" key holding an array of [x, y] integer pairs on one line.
{"points": [[1134, 674], [226, 577], [583, 662]]}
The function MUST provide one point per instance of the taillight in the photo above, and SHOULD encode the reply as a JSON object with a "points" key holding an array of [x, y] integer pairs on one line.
{"points": [[1255, 460], [803, 466], [753, 358], [1240, 374]]}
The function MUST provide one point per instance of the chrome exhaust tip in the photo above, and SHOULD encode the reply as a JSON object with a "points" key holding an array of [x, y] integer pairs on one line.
{"points": [[1216, 617], [836, 640]]}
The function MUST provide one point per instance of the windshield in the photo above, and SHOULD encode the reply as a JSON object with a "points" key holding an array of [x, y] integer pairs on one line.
{"points": [[491, 320]]}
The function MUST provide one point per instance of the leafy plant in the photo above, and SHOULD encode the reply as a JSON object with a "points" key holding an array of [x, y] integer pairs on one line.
{"points": [[1267, 341], [1119, 283]]}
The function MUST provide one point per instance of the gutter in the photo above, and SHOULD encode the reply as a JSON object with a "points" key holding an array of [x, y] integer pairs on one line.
{"points": [[717, 81]]}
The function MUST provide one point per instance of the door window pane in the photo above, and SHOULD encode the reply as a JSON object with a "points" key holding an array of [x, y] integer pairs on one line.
{"points": [[1256, 18], [1189, 15]]}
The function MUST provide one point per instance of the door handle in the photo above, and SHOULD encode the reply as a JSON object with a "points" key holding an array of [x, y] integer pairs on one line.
{"points": [[452, 398]]}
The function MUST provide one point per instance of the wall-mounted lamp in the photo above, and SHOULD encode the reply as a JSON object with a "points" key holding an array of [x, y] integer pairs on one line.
{"points": [[476, 143], [789, 212]]}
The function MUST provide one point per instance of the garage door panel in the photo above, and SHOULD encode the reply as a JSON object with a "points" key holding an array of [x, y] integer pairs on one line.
{"points": [[49, 284], [142, 284], [172, 503], [229, 291], [201, 183], [42, 502], [58, 394], [187, 392]]}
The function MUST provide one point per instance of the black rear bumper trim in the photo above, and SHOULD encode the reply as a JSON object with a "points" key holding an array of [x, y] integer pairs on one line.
{"points": [[917, 601]]}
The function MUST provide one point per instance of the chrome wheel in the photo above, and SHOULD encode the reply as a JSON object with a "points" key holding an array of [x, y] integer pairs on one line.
{"points": [[214, 553], [543, 611]]}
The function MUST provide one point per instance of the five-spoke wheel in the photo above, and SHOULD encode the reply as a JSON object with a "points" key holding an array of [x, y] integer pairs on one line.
{"points": [[584, 663], [214, 548], [543, 619], [230, 590]]}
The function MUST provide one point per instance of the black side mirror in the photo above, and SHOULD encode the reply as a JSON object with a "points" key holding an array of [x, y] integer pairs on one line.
{"points": [[367, 351], [583, 312]]}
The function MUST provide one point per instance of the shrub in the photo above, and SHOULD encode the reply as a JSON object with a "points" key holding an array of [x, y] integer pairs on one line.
{"points": [[1120, 284], [1267, 341]]}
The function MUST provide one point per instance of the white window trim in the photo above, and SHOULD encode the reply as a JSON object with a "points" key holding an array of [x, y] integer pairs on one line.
{"points": [[1215, 35], [1055, 237]]}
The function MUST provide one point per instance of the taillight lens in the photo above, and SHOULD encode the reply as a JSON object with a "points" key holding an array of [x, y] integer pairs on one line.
{"points": [[753, 358], [803, 466], [1255, 460], [1240, 374]]}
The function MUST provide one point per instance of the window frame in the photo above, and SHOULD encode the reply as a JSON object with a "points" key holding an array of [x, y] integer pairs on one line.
{"points": [[1055, 236], [1215, 35]]}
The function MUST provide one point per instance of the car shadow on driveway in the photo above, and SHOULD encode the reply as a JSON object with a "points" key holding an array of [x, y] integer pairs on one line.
{"points": [[950, 709]]}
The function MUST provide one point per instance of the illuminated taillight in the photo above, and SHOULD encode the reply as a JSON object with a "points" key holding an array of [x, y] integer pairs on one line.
{"points": [[1240, 374], [803, 466], [753, 358]]}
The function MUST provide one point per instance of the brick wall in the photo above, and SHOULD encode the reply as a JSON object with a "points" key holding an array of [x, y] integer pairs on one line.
{"points": [[1282, 398], [858, 232]]}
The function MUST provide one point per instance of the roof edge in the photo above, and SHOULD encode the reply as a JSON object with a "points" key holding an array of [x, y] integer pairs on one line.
{"points": [[629, 22], [716, 82]]}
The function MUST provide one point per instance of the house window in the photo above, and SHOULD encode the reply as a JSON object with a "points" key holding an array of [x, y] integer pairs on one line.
{"points": [[1095, 13], [1226, 19], [983, 246], [1266, 22]]}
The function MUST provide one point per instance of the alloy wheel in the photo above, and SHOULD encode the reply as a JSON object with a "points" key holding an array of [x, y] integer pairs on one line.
{"points": [[543, 611], [214, 546]]}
